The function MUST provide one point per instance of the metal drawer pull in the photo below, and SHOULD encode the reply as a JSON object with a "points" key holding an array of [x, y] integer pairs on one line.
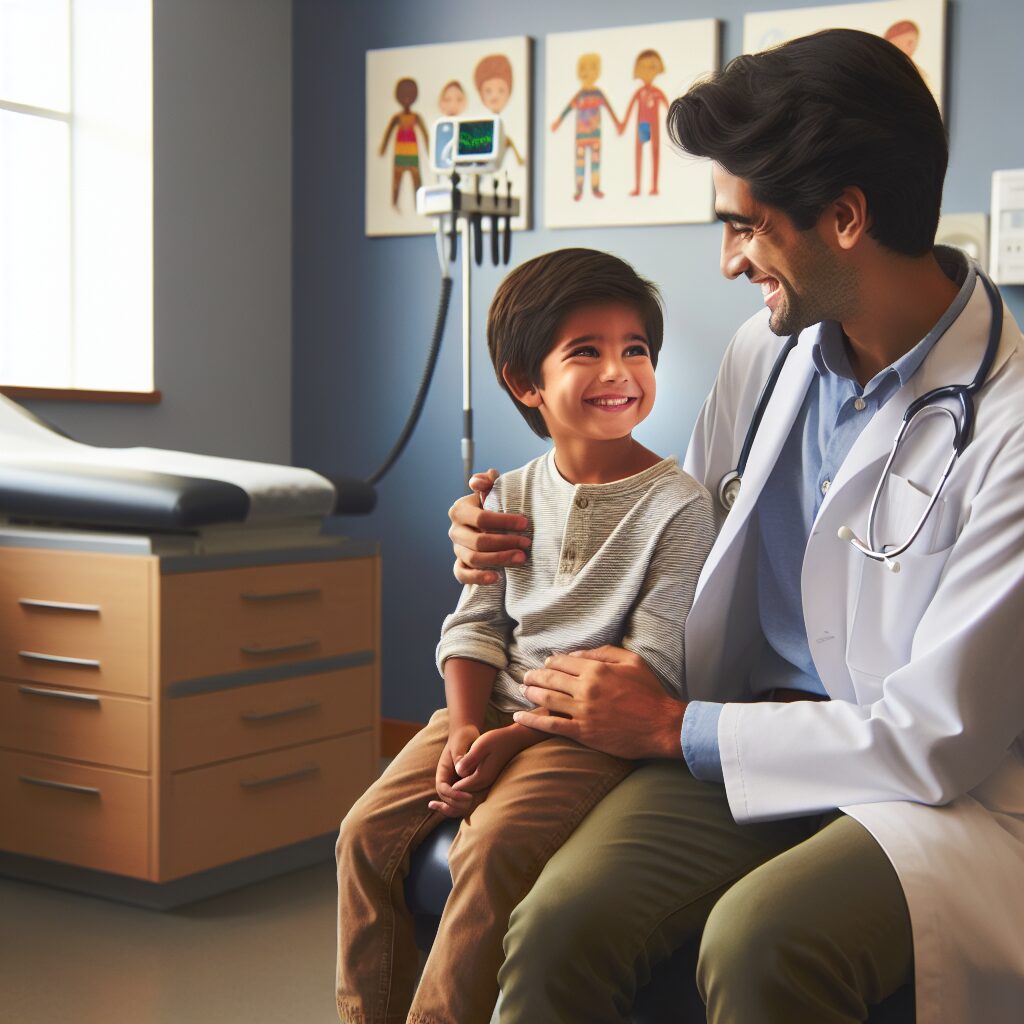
{"points": [[51, 784], [302, 645], [284, 595], [266, 716], [62, 606], [59, 659], [299, 773], [81, 698]]}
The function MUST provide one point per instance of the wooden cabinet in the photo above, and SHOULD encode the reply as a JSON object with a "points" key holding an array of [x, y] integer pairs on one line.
{"points": [[161, 717]]}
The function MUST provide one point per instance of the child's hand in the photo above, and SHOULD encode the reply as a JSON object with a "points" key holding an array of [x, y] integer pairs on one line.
{"points": [[486, 759], [449, 802]]}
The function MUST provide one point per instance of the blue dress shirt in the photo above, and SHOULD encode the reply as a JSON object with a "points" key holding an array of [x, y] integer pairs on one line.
{"points": [[834, 412]]}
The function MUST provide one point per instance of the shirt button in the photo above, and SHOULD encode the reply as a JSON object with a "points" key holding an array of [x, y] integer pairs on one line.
{"points": [[582, 502], [570, 554], [825, 484], [860, 405]]}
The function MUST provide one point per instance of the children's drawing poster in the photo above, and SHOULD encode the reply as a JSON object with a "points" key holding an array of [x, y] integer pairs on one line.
{"points": [[407, 89], [917, 27], [608, 159]]}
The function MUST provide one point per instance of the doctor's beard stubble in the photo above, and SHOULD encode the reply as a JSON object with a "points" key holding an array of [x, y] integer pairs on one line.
{"points": [[827, 290]]}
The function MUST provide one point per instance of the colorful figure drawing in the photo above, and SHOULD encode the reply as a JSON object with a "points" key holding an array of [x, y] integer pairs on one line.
{"points": [[648, 100], [405, 123], [493, 79], [588, 103], [452, 100]]}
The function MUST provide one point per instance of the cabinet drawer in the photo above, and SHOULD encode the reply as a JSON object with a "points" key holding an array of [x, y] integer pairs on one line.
{"points": [[229, 811], [76, 619], [75, 724], [229, 621], [94, 817], [249, 719]]}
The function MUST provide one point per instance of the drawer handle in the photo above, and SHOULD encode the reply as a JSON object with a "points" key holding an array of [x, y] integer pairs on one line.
{"points": [[60, 606], [81, 698], [52, 784], [266, 716], [302, 645], [273, 780], [59, 659], [283, 595]]}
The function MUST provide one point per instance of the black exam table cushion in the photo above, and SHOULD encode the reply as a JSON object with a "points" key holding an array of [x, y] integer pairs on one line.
{"points": [[140, 499], [60, 492]]}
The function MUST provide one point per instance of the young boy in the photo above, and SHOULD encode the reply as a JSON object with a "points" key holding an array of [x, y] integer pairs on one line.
{"points": [[619, 537]]}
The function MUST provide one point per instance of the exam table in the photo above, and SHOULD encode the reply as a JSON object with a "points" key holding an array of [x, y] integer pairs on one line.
{"points": [[189, 666], [45, 476]]}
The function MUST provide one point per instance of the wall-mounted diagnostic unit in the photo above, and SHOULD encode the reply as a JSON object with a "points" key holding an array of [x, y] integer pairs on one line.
{"points": [[1007, 259], [474, 145]]}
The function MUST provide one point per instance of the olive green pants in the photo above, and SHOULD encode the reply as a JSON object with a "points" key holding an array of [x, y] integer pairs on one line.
{"points": [[803, 920]]}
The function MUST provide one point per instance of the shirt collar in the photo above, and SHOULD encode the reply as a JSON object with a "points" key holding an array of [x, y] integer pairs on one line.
{"points": [[829, 350]]}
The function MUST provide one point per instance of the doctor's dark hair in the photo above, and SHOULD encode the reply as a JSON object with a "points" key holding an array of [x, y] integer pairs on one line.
{"points": [[807, 119], [534, 299]]}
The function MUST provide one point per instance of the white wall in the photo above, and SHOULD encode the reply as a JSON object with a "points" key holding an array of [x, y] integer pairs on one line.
{"points": [[222, 129]]}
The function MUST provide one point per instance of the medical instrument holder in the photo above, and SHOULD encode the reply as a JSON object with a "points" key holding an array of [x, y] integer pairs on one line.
{"points": [[463, 211]]}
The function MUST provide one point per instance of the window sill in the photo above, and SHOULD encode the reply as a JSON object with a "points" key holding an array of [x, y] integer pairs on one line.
{"points": [[79, 395]]}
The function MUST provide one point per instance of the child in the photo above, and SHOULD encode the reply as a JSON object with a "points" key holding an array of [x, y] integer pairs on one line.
{"points": [[619, 537]]}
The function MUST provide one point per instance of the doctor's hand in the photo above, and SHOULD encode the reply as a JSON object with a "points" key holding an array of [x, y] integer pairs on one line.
{"points": [[484, 540], [610, 701]]}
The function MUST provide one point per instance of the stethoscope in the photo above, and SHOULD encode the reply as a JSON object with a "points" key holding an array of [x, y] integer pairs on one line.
{"points": [[927, 404]]}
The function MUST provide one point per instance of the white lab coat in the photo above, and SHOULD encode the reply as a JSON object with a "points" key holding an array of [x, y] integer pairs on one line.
{"points": [[923, 740]]}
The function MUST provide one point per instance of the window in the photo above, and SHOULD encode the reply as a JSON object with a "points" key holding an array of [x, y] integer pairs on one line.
{"points": [[76, 194]]}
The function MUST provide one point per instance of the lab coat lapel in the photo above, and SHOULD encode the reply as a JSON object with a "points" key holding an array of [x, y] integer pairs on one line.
{"points": [[785, 403]]}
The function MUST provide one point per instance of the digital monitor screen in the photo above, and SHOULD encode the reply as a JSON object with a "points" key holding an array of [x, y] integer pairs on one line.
{"points": [[476, 138]]}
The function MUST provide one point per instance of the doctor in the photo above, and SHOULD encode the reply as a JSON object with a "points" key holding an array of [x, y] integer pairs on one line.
{"points": [[839, 808]]}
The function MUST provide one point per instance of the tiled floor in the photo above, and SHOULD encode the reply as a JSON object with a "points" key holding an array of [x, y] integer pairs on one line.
{"points": [[260, 955]]}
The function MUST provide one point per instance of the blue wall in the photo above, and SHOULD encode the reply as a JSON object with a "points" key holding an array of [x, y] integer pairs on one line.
{"points": [[364, 308]]}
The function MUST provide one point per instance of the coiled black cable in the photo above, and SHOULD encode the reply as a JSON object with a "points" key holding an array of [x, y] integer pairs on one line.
{"points": [[421, 394]]}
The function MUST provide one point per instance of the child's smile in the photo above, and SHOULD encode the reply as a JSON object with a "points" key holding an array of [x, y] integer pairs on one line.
{"points": [[598, 380]]}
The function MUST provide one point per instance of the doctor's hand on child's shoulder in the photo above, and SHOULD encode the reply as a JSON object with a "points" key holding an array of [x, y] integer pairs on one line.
{"points": [[484, 540]]}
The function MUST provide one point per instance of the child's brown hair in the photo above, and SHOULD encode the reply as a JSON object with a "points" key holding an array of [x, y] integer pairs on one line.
{"points": [[534, 299]]}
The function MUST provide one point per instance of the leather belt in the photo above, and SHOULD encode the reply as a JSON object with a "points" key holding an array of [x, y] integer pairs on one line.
{"points": [[785, 695]]}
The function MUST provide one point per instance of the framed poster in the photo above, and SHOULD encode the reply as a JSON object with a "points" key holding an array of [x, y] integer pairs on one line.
{"points": [[407, 89], [608, 159], [918, 27]]}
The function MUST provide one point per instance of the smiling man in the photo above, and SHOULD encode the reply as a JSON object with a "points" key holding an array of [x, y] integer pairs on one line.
{"points": [[838, 808]]}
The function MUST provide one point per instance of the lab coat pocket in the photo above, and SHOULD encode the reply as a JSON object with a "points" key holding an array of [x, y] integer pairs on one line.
{"points": [[887, 601], [900, 510]]}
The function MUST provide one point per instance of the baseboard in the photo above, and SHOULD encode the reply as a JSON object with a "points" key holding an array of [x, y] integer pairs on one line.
{"points": [[168, 895], [394, 734]]}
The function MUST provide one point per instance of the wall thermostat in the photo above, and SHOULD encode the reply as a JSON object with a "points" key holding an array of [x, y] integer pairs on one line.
{"points": [[1007, 258]]}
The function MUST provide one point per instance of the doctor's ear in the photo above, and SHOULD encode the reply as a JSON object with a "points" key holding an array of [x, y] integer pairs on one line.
{"points": [[847, 218], [523, 391]]}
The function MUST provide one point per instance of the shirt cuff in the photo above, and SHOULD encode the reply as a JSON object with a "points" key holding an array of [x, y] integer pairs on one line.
{"points": [[699, 739]]}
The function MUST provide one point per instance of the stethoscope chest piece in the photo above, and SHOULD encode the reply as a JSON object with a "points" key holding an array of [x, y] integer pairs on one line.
{"points": [[729, 490]]}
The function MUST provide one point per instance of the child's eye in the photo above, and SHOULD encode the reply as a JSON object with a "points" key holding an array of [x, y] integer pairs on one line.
{"points": [[583, 350], [637, 350]]}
